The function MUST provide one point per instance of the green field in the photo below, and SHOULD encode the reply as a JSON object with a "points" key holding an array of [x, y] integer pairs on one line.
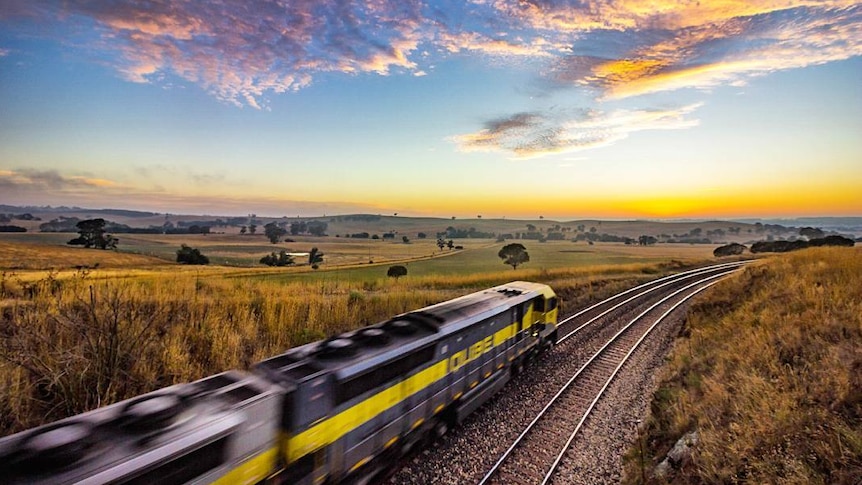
{"points": [[345, 258]]}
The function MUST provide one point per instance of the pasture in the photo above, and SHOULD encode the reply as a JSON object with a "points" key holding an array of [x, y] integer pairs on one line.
{"points": [[344, 258], [157, 322]]}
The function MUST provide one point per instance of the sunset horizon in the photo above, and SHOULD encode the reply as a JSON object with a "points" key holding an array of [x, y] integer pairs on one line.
{"points": [[497, 109]]}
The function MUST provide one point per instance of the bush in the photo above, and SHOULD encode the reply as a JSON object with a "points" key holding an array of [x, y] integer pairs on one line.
{"points": [[189, 255], [731, 249], [785, 246], [396, 271], [280, 259], [12, 229]]}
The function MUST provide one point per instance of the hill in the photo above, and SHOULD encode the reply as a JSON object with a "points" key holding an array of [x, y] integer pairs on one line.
{"points": [[767, 381]]}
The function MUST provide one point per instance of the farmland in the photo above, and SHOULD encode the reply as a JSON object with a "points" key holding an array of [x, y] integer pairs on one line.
{"points": [[85, 327]]}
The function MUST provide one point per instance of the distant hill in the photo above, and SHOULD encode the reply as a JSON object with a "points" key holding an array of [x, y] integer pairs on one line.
{"points": [[11, 209], [851, 224], [346, 225]]}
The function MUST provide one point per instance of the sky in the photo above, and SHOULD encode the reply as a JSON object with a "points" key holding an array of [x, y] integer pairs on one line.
{"points": [[499, 108]]}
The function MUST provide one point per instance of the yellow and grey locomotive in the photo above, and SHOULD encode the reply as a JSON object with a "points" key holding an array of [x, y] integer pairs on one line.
{"points": [[326, 412]]}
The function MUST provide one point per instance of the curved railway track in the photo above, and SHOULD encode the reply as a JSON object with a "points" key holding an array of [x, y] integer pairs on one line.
{"points": [[534, 456], [643, 292], [465, 455]]}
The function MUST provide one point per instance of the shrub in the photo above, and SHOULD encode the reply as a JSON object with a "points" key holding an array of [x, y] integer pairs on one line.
{"points": [[731, 249], [396, 271], [189, 255]]}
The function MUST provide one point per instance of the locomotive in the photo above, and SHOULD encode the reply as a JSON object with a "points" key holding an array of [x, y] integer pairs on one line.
{"points": [[333, 411]]}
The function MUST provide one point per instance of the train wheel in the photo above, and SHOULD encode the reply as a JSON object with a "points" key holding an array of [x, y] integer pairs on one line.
{"points": [[441, 428]]}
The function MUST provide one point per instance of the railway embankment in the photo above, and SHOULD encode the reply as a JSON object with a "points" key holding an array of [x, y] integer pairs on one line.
{"points": [[765, 383]]}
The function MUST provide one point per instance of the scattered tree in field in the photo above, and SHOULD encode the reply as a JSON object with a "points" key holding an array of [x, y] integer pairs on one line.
{"points": [[645, 240], [315, 257], [189, 255], [731, 249], [317, 228], [298, 227], [243, 230], [405, 239], [421, 235], [441, 243], [252, 228], [274, 232], [280, 259], [396, 271], [514, 255], [92, 235], [450, 244]]}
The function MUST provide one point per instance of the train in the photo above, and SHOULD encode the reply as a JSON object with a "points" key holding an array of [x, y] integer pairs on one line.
{"points": [[339, 410]]}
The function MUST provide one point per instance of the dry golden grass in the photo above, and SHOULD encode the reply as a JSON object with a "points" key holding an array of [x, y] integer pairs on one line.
{"points": [[18, 256], [770, 376], [73, 341]]}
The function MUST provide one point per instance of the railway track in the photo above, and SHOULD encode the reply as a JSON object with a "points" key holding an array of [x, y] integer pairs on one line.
{"points": [[577, 322], [536, 453]]}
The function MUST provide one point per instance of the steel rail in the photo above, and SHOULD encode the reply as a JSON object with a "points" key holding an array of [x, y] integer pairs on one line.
{"points": [[625, 359], [568, 384], [668, 280]]}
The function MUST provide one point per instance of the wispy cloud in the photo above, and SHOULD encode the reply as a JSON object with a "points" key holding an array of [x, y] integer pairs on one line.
{"points": [[532, 135], [476, 42], [241, 52], [40, 187], [29, 179], [719, 44]]}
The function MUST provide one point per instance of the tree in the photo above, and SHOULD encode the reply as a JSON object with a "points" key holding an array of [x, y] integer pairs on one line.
{"points": [[514, 254], [421, 235], [252, 228], [189, 255], [396, 271], [645, 240], [280, 259], [317, 228], [450, 244], [298, 227], [441, 243], [405, 239], [92, 235], [243, 230], [731, 249], [315, 257], [273, 232]]}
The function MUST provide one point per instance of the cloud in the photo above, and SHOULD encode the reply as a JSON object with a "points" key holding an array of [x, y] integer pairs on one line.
{"points": [[476, 42], [41, 187], [533, 135], [242, 52], [716, 46], [30, 179]]}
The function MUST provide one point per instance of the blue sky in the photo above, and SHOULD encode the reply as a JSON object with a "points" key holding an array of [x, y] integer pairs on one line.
{"points": [[500, 108]]}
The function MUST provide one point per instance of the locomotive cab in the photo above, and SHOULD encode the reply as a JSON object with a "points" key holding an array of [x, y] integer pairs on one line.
{"points": [[216, 429]]}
